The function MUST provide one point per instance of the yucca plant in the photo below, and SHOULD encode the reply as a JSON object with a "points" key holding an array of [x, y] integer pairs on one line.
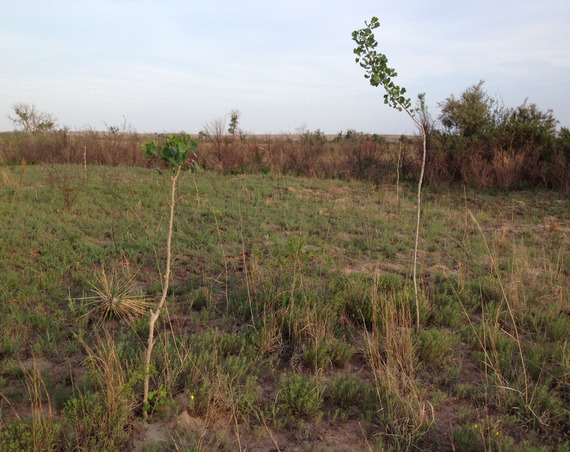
{"points": [[116, 296]]}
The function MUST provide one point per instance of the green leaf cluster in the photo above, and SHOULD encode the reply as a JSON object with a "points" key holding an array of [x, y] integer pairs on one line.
{"points": [[174, 152], [376, 66]]}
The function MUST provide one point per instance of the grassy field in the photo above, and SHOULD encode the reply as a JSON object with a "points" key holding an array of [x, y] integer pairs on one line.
{"points": [[291, 320]]}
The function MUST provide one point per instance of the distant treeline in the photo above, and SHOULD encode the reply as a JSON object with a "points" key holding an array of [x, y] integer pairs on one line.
{"points": [[475, 141]]}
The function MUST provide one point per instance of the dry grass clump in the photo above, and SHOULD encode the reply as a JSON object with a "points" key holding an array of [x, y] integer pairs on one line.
{"points": [[390, 352]]}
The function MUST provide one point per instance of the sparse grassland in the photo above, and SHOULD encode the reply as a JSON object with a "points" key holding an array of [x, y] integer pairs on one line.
{"points": [[290, 319]]}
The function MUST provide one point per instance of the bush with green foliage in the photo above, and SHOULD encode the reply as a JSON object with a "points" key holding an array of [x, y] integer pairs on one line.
{"points": [[486, 144]]}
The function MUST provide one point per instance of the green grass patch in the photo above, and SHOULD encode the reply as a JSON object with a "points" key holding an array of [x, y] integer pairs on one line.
{"points": [[281, 289]]}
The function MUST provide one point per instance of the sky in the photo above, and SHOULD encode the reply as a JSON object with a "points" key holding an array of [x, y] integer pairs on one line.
{"points": [[177, 65]]}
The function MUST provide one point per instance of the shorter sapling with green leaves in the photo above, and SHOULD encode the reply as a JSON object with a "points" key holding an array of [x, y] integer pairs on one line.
{"points": [[174, 153]]}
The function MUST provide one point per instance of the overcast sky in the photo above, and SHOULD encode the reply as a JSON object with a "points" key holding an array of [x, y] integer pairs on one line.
{"points": [[174, 65]]}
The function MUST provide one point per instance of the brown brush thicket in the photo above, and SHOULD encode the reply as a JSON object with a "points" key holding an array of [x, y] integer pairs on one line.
{"points": [[62, 146], [500, 159], [476, 141], [351, 155], [508, 158]]}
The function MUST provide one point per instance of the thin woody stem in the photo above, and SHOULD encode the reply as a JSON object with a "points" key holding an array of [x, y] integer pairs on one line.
{"points": [[154, 315], [418, 218]]}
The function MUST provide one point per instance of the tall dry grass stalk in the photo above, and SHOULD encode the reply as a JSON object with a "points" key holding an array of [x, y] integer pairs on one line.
{"points": [[390, 352], [103, 418], [245, 263], [111, 373], [505, 300], [85, 162], [23, 167], [225, 259], [493, 327], [175, 360], [7, 178], [41, 426], [42, 415]]}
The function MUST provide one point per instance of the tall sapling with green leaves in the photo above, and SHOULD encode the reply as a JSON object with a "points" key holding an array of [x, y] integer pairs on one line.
{"points": [[379, 74], [175, 154]]}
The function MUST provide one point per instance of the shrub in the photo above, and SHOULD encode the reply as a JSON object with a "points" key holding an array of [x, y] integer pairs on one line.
{"points": [[364, 155], [345, 391], [467, 438], [31, 434], [299, 396], [471, 115], [341, 353], [435, 347], [487, 145], [317, 355], [96, 425], [200, 298], [221, 372]]}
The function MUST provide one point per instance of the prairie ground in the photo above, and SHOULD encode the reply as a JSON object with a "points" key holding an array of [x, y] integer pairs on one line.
{"points": [[290, 323]]}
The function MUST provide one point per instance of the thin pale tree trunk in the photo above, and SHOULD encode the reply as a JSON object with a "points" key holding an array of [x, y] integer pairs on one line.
{"points": [[154, 315], [398, 177], [418, 219]]}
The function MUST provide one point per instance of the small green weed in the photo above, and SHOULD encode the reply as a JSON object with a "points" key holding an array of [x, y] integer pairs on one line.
{"points": [[10, 346]]}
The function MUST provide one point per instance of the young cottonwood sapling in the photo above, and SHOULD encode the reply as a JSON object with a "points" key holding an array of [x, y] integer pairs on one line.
{"points": [[378, 73], [175, 154]]}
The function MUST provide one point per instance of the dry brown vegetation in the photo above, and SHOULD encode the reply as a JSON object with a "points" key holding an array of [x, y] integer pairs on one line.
{"points": [[487, 163], [352, 156]]}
